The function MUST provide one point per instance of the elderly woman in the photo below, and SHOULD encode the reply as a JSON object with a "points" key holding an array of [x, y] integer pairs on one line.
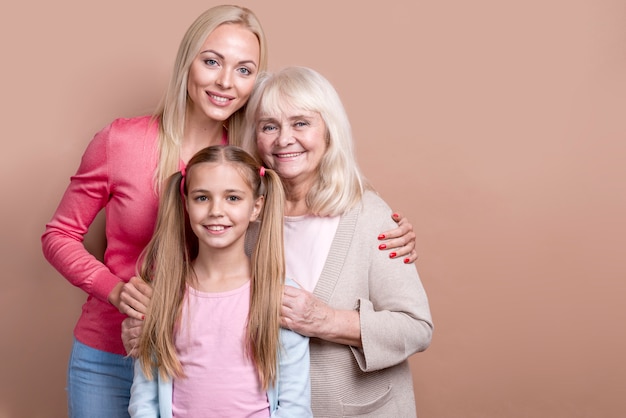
{"points": [[365, 314]]}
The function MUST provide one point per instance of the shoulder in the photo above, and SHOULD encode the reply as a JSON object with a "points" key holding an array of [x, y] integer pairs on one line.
{"points": [[374, 208], [127, 137], [372, 201], [136, 127]]}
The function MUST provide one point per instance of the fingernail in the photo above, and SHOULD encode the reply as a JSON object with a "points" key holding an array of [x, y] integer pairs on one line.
{"points": [[395, 215], [143, 317], [406, 261], [382, 246], [381, 236], [392, 255]]}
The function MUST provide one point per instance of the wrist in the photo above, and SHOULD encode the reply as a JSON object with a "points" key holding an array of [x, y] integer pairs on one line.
{"points": [[114, 297]]}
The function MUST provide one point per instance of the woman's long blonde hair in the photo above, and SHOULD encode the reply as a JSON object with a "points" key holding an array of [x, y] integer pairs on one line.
{"points": [[172, 109], [166, 263]]}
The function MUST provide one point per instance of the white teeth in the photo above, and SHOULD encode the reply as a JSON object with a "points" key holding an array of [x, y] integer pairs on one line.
{"points": [[215, 228], [219, 98], [293, 154]]}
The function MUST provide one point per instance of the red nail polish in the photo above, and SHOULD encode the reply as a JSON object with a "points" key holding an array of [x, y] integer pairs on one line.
{"points": [[381, 236], [395, 215], [382, 246], [392, 255], [143, 317], [406, 261]]}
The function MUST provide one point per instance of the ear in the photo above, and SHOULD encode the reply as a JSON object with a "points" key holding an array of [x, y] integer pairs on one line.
{"points": [[256, 210]]}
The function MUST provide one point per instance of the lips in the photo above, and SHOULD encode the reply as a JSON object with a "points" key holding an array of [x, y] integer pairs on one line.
{"points": [[219, 100], [288, 155], [216, 228]]}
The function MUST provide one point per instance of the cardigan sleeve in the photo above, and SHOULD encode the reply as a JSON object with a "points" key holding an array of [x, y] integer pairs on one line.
{"points": [[62, 241], [395, 318]]}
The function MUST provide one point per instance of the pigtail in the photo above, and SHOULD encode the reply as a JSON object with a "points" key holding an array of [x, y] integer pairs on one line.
{"points": [[268, 263], [166, 265]]}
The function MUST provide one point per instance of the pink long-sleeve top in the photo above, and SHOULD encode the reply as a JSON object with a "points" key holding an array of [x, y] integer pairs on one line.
{"points": [[116, 173]]}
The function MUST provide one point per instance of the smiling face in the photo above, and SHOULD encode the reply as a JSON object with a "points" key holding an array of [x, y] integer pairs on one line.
{"points": [[293, 143], [222, 75], [220, 204]]}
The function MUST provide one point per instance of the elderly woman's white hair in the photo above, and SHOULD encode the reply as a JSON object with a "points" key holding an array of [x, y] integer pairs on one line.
{"points": [[339, 184]]}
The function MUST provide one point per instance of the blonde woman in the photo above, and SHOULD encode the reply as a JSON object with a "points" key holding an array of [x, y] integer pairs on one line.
{"points": [[122, 171]]}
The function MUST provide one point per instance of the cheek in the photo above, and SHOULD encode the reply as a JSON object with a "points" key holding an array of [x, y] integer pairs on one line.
{"points": [[245, 89], [264, 147]]}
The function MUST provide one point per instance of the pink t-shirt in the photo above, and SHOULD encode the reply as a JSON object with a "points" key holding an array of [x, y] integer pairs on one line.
{"points": [[220, 379]]}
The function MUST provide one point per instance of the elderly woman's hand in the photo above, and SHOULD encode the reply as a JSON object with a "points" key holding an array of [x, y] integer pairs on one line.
{"points": [[306, 314], [131, 332], [399, 241]]}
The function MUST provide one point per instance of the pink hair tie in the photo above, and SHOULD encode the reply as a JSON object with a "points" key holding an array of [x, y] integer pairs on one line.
{"points": [[182, 182], [262, 171]]}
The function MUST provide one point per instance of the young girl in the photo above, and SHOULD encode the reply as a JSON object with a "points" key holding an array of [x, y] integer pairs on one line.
{"points": [[211, 342]]}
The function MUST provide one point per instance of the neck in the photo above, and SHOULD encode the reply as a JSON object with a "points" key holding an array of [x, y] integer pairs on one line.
{"points": [[295, 199], [200, 135], [220, 271]]}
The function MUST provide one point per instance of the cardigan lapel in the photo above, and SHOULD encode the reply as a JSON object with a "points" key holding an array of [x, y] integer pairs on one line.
{"points": [[337, 254]]}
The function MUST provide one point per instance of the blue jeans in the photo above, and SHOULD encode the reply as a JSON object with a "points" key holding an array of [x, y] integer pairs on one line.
{"points": [[98, 383]]}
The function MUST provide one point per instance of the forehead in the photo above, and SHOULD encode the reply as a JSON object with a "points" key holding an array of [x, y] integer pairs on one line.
{"points": [[234, 38], [218, 175], [285, 109]]}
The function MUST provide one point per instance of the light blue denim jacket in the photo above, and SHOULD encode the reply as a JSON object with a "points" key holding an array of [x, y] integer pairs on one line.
{"points": [[289, 397]]}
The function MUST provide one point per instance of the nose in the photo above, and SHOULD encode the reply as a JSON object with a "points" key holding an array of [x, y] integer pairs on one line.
{"points": [[224, 79], [285, 137], [215, 208]]}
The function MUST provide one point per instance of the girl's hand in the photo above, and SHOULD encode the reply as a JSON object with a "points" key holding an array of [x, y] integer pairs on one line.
{"points": [[135, 297], [399, 241]]}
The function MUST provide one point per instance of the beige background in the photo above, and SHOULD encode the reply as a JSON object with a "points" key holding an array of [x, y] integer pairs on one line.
{"points": [[498, 127]]}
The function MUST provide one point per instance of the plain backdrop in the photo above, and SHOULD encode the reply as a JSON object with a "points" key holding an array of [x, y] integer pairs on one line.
{"points": [[497, 127]]}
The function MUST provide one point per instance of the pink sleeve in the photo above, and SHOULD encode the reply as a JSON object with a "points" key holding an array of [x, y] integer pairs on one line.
{"points": [[62, 241]]}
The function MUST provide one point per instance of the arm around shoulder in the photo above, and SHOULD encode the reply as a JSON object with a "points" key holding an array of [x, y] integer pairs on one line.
{"points": [[395, 319]]}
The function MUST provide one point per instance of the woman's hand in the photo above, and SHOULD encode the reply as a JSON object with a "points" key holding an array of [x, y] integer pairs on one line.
{"points": [[399, 241], [306, 314], [135, 297], [131, 332]]}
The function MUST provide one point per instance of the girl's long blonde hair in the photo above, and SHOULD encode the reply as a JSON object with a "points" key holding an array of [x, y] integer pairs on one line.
{"points": [[166, 263], [173, 107]]}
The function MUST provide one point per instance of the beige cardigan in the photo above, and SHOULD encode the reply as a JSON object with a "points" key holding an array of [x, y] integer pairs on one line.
{"points": [[374, 381]]}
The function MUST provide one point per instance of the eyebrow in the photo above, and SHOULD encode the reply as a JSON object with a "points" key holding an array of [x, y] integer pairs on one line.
{"points": [[212, 51], [290, 118], [207, 191]]}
